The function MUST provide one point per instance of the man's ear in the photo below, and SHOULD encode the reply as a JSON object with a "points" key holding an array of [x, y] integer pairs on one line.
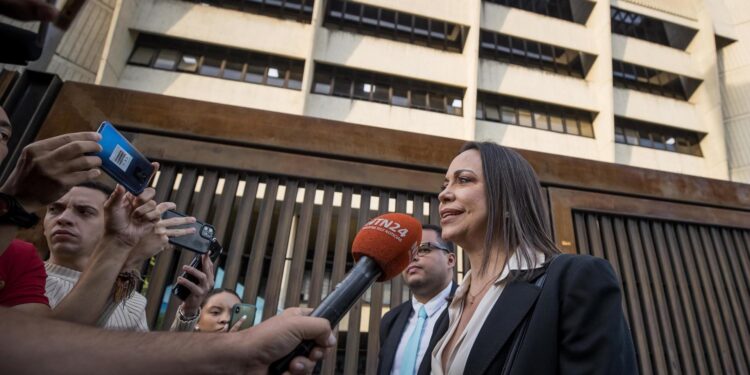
{"points": [[451, 259]]}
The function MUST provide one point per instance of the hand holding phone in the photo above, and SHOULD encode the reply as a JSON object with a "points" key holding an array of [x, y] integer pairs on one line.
{"points": [[214, 250], [199, 241], [122, 161], [239, 311]]}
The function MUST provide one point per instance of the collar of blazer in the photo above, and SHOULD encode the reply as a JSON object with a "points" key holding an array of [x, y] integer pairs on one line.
{"points": [[514, 303]]}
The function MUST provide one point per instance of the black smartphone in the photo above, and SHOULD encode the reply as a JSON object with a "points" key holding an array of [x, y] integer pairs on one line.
{"points": [[214, 250], [122, 161], [198, 241], [238, 311]]}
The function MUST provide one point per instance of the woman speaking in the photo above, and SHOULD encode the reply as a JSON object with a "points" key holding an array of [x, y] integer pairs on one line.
{"points": [[523, 308]]}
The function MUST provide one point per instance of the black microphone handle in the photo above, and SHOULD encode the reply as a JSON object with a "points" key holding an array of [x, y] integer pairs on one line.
{"points": [[335, 306]]}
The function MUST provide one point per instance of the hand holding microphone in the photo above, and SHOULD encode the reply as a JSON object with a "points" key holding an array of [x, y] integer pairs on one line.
{"points": [[382, 249]]}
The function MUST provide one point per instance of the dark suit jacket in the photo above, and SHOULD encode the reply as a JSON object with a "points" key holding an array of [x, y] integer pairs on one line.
{"points": [[392, 328], [577, 324]]}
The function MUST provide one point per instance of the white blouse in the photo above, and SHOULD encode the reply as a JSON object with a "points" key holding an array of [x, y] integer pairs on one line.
{"points": [[457, 358]]}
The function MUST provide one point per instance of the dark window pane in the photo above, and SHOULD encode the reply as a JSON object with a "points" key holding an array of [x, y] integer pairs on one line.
{"points": [[455, 106], [322, 82], [619, 135], [437, 102], [295, 78], [342, 86], [167, 59], [142, 56], [571, 126], [381, 92], [387, 19], [233, 71], [362, 89], [400, 96], [631, 136], [210, 67], [256, 70]]}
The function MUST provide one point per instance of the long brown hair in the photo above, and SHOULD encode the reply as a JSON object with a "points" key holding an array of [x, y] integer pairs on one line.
{"points": [[516, 214]]}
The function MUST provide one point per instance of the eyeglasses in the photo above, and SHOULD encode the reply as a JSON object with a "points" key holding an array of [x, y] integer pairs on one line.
{"points": [[426, 247]]}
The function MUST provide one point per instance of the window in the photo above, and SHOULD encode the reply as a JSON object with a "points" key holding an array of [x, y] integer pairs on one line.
{"points": [[398, 91], [653, 81], [553, 8], [513, 50], [529, 113], [396, 25], [298, 10], [650, 29], [646, 134], [185, 56]]}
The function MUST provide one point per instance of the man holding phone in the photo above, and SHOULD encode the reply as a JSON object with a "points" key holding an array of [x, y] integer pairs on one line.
{"points": [[45, 171], [73, 226]]}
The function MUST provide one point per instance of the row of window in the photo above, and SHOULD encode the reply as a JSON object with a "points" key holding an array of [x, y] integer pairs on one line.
{"points": [[651, 29], [528, 53], [396, 25], [533, 114], [298, 10], [654, 81], [214, 61], [639, 133], [403, 92], [554, 8]]}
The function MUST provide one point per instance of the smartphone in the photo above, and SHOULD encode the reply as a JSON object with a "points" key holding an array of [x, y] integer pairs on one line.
{"points": [[214, 250], [238, 311], [199, 241], [122, 161]]}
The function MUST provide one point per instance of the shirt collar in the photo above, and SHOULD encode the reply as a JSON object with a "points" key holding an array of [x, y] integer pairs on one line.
{"points": [[436, 303], [62, 272], [516, 262]]}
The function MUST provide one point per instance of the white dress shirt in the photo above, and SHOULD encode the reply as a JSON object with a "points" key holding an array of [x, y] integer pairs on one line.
{"points": [[460, 354], [434, 308]]}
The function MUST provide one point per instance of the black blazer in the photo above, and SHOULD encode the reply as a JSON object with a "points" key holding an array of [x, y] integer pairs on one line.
{"points": [[392, 328], [577, 324]]}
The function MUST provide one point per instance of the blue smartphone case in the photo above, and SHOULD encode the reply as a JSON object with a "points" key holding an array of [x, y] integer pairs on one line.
{"points": [[122, 161]]}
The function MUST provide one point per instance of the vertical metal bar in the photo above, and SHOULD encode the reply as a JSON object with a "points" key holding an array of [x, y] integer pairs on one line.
{"points": [[321, 246], [734, 255], [237, 244], [339, 263], [688, 359], [434, 210], [709, 344], [155, 291], [224, 205], [397, 282], [418, 208], [260, 242], [610, 247], [724, 323], [634, 303], [663, 317], [595, 235], [730, 292], [164, 261], [351, 357], [647, 300], [582, 240], [200, 211], [301, 240], [280, 246]]}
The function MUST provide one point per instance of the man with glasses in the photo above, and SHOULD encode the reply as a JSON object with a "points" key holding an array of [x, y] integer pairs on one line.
{"points": [[409, 331]]}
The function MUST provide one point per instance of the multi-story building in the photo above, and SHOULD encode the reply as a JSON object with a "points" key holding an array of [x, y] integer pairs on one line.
{"points": [[637, 82]]}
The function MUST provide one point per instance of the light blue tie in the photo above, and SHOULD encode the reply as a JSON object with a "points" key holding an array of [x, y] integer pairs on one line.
{"points": [[409, 360]]}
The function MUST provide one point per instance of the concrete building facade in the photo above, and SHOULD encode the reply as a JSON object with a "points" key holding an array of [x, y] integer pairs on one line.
{"points": [[646, 83]]}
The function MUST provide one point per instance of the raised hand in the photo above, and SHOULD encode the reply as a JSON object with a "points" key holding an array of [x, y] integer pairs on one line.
{"points": [[47, 169]]}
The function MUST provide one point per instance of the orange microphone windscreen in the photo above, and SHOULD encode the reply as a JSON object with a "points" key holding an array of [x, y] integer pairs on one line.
{"points": [[389, 240]]}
